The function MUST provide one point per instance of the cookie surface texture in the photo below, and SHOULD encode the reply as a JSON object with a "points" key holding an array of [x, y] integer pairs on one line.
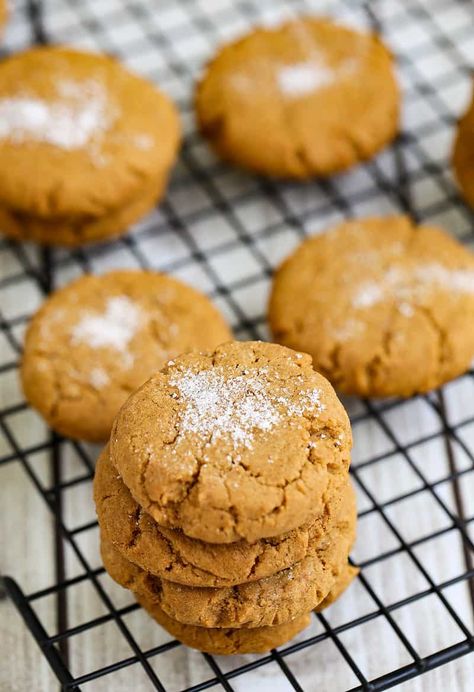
{"points": [[81, 230], [95, 341], [271, 601], [384, 307], [277, 100], [171, 555], [239, 443], [226, 641], [100, 136]]}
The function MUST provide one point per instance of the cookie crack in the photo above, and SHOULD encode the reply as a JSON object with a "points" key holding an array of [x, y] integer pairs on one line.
{"points": [[441, 336], [136, 532]]}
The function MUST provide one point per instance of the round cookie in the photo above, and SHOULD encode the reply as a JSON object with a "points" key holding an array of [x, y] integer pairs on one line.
{"points": [[74, 232], [236, 444], [222, 642], [385, 308], [99, 135], [463, 154], [277, 100], [99, 338], [271, 601], [171, 555]]}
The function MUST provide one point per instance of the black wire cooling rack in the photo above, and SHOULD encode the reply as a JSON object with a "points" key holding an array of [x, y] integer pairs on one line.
{"points": [[224, 232]]}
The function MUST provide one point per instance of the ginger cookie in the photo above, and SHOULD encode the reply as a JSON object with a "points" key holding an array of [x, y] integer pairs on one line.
{"points": [[271, 601], [239, 443], [171, 555], [101, 138], [308, 98], [463, 154], [95, 341], [73, 232], [384, 307], [222, 642]]}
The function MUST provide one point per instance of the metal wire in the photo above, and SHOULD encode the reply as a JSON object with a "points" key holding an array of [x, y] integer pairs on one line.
{"points": [[223, 198]]}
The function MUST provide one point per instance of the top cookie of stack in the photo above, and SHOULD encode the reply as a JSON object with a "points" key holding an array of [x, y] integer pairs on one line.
{"points": [[238, 444], [85, 145]]}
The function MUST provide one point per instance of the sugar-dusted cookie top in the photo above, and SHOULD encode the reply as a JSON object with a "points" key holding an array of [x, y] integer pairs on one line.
{"points": [[95, 341], [309, 97], [384, 307], [79, 134], [463, 154], [238, 443]]}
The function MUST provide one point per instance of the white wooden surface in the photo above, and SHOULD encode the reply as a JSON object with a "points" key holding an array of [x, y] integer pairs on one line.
{"points": [[26, 532]]}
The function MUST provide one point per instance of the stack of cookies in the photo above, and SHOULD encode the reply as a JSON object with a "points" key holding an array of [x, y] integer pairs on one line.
{"points": [[87, 145], [223, 497]]}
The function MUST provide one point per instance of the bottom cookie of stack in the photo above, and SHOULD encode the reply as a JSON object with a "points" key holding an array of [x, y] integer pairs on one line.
{"points": [[225, 641], [242, 640]]}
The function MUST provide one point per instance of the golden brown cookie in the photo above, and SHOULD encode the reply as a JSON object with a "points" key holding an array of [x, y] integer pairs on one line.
{"points": [[383, 307], [73, 232], [227, 641], [235, 444], [463, 154], [271, 601], [100, 138], [99, 338], [310, 97], [171, 555]]}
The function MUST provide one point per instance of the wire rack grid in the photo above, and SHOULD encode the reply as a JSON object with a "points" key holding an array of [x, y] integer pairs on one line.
{"points": [[411, 608]]}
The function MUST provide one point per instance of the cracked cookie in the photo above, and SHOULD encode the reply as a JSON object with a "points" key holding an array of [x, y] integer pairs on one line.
{"points": [[75, 231], [102, 139], [226, 641], [99, 338], [239, 443], [271, 601], [277, 100], [170, 554], [463, 154], [384, 307]]}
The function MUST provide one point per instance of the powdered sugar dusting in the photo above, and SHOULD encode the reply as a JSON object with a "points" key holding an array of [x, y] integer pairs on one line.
{"points": [[217, 406], [458, 280], [311, 75], [113, 328], [368, 294], [411, 286], [348, 330], [98, 378], [407, 287], [79, 114], [303, 78]]}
